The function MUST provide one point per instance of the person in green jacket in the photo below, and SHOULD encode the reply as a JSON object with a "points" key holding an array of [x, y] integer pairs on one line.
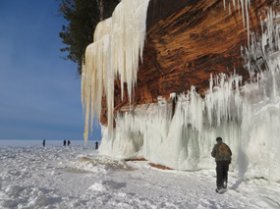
{"points": [[222, 154]]}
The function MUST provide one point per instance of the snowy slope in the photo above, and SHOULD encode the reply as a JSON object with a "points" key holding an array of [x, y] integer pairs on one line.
{"points": [[74, 177]]}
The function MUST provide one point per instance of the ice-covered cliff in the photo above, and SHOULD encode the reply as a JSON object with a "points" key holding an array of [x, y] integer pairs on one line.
{"points": [[219, 62]]}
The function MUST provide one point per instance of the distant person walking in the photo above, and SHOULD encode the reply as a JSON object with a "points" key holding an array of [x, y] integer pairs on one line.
{"points": [[96, 145], [44, 143], [64, 143], [222, 154], [68, 143]]}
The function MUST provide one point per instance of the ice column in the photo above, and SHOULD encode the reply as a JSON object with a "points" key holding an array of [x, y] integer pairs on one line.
{"points": [[118, 45]]}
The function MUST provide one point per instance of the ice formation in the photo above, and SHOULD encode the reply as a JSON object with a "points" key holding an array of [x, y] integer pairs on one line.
{"points": [[247, 117], [242, 6], [118, 45]]}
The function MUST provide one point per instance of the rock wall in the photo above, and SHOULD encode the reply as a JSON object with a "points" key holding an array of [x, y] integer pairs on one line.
{"points": [[186, 42]]}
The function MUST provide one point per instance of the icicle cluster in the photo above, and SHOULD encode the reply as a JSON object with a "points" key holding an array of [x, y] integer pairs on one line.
{"points": [[179, 142], [118, 45], [247, 117], [242, 6]]}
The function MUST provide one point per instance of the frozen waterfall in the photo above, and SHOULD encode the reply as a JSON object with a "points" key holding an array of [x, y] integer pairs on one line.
{"points": [[118, 45], [246, 116]]}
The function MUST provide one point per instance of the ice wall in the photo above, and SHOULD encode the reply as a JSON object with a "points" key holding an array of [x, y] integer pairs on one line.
{"points": [[247, 117], [115, 53]]}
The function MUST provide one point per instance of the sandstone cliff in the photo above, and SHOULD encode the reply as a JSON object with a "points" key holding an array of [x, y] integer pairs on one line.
{"points": [[186, 42]]}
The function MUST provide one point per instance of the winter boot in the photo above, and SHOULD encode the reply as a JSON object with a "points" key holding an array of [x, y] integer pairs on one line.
{"points": [[224, 184]]}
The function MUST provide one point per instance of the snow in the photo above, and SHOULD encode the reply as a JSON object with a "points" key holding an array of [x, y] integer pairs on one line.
{"points": [[76, 177], [115, 53]]}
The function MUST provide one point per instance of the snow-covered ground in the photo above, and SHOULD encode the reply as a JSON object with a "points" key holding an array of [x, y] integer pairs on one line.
{"points": [[75, 177]]}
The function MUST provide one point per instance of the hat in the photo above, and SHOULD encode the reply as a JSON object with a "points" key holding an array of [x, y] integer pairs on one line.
{"points": [[219, 139]]}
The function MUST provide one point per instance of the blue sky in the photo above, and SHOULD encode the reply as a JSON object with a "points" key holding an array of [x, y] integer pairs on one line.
{"points": [[39, 91]]}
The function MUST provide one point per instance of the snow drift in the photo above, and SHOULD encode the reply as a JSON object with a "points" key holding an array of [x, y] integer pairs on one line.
{"points": [[247, 116]]}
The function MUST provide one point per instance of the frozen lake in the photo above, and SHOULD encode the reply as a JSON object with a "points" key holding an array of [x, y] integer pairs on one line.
{"points": [[38, 143], [75, 177]]}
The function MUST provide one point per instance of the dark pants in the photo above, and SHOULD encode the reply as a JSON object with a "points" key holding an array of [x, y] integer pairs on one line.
{"points": [[222, 173]]}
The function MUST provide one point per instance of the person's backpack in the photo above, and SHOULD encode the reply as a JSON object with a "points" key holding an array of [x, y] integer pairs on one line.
{"points": [[223, 150]]}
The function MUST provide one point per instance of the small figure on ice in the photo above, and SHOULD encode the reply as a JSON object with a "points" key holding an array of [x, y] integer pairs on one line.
{"points": [[222, 154]]}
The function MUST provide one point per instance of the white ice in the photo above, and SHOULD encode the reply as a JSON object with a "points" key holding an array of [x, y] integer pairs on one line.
{"points": [[57, 177], [114, 54]]}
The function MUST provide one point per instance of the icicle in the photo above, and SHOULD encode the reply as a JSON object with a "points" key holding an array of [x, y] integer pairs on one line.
{"points": [[118, 45], [243, 6], [103, 28], [234, 4]]}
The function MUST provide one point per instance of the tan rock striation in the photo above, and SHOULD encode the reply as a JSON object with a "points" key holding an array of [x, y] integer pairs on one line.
{"points": [[186, 42]]}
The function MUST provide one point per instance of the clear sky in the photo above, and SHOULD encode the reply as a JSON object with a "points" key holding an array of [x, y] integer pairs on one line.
{"points": [[39, 90]]}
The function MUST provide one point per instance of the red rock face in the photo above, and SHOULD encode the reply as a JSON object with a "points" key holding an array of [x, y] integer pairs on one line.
{"points": [[186, 42]]}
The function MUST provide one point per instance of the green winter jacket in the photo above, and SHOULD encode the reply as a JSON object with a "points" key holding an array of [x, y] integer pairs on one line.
{"points": [[221, 152]]}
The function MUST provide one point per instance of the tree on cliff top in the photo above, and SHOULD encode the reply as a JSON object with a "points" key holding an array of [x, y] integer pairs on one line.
{"points": [[82, 17]]}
